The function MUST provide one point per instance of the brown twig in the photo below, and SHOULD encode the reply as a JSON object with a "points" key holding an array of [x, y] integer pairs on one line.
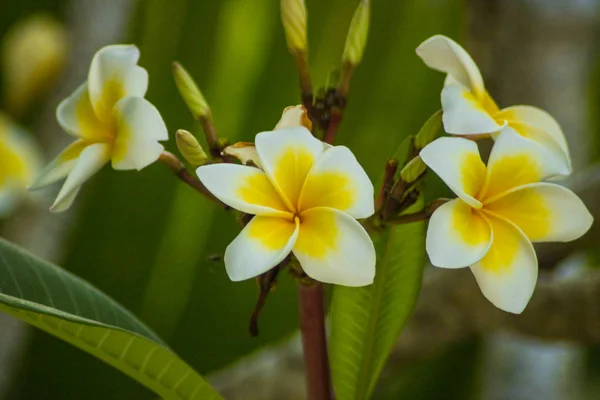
{"points": [[341, 95], [314, 342], [391, 166], [306, 90], [178, 168]]}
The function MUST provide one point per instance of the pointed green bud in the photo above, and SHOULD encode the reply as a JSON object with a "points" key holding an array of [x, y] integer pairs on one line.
{"points": [[413, 170], [190, 149], [189, 91], [293, 16], [357, 34], [431, 130]]}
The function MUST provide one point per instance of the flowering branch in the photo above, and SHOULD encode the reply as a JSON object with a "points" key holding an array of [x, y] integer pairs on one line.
{"points": [[178, 168]]}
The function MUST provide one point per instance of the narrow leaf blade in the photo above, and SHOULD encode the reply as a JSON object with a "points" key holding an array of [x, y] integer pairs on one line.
{"points": [[366, 321]]}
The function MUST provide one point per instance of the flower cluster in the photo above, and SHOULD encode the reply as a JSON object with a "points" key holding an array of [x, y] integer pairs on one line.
{"points": [[110, 120], [505, 206]]}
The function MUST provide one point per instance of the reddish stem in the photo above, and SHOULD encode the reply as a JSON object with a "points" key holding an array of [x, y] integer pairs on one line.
{"points": [[314, 342]]}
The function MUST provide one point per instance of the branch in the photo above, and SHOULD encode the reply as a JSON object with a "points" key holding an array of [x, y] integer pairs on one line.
{"points": [[178, 168], [314, 341]]}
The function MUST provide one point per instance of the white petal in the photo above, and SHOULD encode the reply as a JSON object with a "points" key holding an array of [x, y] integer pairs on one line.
{"points": [[90, 161], [545, 212], [76, 116], [508, 273], [260, 246], [464, 114], [139, 128], [287, 155], [60, 166], [338, 181], [538, 125], [333, 247], [444, 54], [457, 235], [457, 162], [113, 75], [247, 189], [515, 161], [294, 116]]}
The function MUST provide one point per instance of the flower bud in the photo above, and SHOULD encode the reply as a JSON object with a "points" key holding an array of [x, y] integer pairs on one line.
{"points": [[190, 149], [34, 52], [293, 16], [189, 91], [357, 34], [294, 116], [245, 152]]}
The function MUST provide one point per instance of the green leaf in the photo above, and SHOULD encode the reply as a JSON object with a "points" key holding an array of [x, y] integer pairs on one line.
{"points": [[65, 306], [366, 321]]}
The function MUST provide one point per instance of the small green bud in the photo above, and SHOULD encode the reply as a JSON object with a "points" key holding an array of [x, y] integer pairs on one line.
{"points": [[413, 170], [293, 17], [431, 130], [189, 91], [190, 149], [357, 34]]}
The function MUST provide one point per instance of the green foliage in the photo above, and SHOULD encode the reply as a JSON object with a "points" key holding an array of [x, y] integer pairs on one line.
{"points": [[61, 304], [366, 321]]}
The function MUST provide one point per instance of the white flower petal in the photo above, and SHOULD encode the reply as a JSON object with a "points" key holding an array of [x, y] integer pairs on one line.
{"points": [[260, 246], [90, 161], [139, 128], [508, 273], [333, 247], [444, 54], [457, 162], [287, 155], [338, 181], [294, 116], [457, 235], [464, 114], [60, 166], [113, 75], [76, 116], [515, 161], [538, 125], [545, 212], [247, 189]]}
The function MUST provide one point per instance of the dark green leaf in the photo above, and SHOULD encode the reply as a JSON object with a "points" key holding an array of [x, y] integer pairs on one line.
{"points": [[65, 306]]}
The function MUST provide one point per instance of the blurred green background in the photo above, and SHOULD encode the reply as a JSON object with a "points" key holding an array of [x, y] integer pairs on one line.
{"points": [[146, 239]]}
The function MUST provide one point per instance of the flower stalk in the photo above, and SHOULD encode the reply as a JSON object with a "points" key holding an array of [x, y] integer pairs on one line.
{"points": [[178, 168], [311, 303]]}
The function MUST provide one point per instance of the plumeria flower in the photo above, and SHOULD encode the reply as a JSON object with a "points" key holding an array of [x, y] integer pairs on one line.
{"points": [[110, 120], [305, 199], [469, 109], [500, 210], [19, 163]]}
